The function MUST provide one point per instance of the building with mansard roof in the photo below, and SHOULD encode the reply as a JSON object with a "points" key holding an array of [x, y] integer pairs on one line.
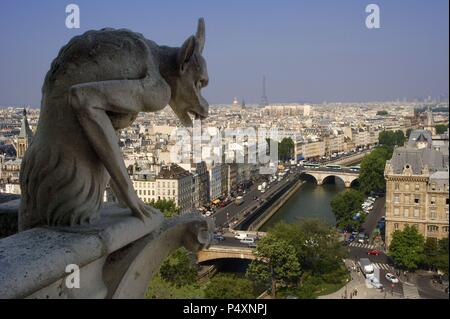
{"points": [[417, 185]]}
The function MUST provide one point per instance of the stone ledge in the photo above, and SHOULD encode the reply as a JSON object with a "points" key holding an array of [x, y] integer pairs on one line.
{"points": [[9, 208], [33, 263]]}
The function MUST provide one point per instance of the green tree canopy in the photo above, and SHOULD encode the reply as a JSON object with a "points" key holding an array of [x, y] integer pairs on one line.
{"points": [[407, 248], [389, 138], [436, 254], [275, 263], [317, 245], [167, 207], [371, 174], [285, 148], [441, 128], [345, 206], [382, 113], [179, 269], [227, 286]]}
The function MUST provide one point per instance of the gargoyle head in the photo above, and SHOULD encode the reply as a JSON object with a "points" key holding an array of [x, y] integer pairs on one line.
{"points": [[192, 76]]}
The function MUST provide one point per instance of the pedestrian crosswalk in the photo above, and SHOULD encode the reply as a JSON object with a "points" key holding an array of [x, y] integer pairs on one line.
{"points": [[382, 266], [410, 291], [360, 245]]}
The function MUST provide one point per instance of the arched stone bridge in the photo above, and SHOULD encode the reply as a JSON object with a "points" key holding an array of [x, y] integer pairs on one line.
{"points": [[225, 252], [321, 174]]}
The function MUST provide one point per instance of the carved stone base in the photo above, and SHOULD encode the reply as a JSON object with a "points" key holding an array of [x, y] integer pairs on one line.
{"points": [[117, 256]]}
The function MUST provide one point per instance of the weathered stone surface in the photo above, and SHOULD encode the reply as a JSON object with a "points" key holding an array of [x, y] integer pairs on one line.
{"points": [[97, 85], [9, 209], [117, 255]]}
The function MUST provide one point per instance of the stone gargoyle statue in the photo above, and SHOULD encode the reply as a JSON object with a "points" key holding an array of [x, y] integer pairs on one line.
{"points": [[97, 85]]}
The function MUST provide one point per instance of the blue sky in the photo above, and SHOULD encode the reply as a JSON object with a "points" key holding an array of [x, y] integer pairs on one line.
{"points": [[310, 50]]}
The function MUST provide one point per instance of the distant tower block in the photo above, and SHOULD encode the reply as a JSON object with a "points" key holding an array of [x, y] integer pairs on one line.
{"points": [[25, 136], [264, 101]]}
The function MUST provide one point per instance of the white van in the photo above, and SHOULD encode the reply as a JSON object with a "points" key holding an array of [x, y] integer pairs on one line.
{"points": [[240, 236], [248, 241]]}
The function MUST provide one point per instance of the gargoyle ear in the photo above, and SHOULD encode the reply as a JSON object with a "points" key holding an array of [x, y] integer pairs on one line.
{"points": [[200, 35], [186, 52]]}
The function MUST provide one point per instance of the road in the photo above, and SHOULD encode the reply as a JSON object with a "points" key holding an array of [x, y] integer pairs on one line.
{"points": [[382, 262], [378, 211], [229, 212], [427, 289]]}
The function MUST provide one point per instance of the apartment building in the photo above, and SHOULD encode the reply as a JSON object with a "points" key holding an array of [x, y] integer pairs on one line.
{"points": [[171, 183], [417, 185]]}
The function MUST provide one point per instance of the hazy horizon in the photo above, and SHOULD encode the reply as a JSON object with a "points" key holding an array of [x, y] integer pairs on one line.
{"points": [[312, 51]]}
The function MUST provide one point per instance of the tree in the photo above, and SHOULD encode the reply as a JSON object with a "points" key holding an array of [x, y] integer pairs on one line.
{"points": [[275, 264], [382, 113], [441, 128], [226, 286], [167, 207], [179, 269], [436, 254], [285, 148], [430, 252], [345, 206], [389, 138], [371, 174], [317, 245], [407, 248]]}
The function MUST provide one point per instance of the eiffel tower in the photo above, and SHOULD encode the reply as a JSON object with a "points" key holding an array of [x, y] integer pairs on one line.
{"points": [[264, 101]]}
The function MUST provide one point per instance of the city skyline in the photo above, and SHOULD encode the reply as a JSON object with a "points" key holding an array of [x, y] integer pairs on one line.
{"points": [[308, 51]]}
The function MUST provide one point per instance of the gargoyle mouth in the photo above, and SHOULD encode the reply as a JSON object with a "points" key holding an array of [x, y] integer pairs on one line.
{"points": [[198, 115]]}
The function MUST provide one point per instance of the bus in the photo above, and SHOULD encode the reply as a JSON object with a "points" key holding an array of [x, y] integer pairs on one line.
{"points": [[239, 200], [311, 165], [332, 166], [356, 168]]}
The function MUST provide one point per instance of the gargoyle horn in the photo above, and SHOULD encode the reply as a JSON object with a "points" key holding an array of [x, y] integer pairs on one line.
{"points": [[201, 34]]}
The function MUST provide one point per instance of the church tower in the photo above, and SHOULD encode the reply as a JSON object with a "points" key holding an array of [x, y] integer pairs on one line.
{"points": [[25, 136], [430, 123]]}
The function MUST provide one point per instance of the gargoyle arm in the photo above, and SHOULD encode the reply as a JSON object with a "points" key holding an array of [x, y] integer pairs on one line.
{"points": [[92, 101]]}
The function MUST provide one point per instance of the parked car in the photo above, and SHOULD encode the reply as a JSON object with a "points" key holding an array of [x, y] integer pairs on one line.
{"points": [[361, 238], [390, 277], [374, 252], [351, 238], [219, 237], [374, 282], [248, 241]]}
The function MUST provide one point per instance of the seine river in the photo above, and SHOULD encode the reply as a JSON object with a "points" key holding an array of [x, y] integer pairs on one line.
{"points": [[310, 201]]}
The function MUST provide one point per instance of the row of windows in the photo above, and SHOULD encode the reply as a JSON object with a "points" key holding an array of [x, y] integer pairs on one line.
{"points": [[168, 184], [410, 199], [416, 187], [407, 186], [407, 212], [153, 184], [430, 228], [153, 193]]}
